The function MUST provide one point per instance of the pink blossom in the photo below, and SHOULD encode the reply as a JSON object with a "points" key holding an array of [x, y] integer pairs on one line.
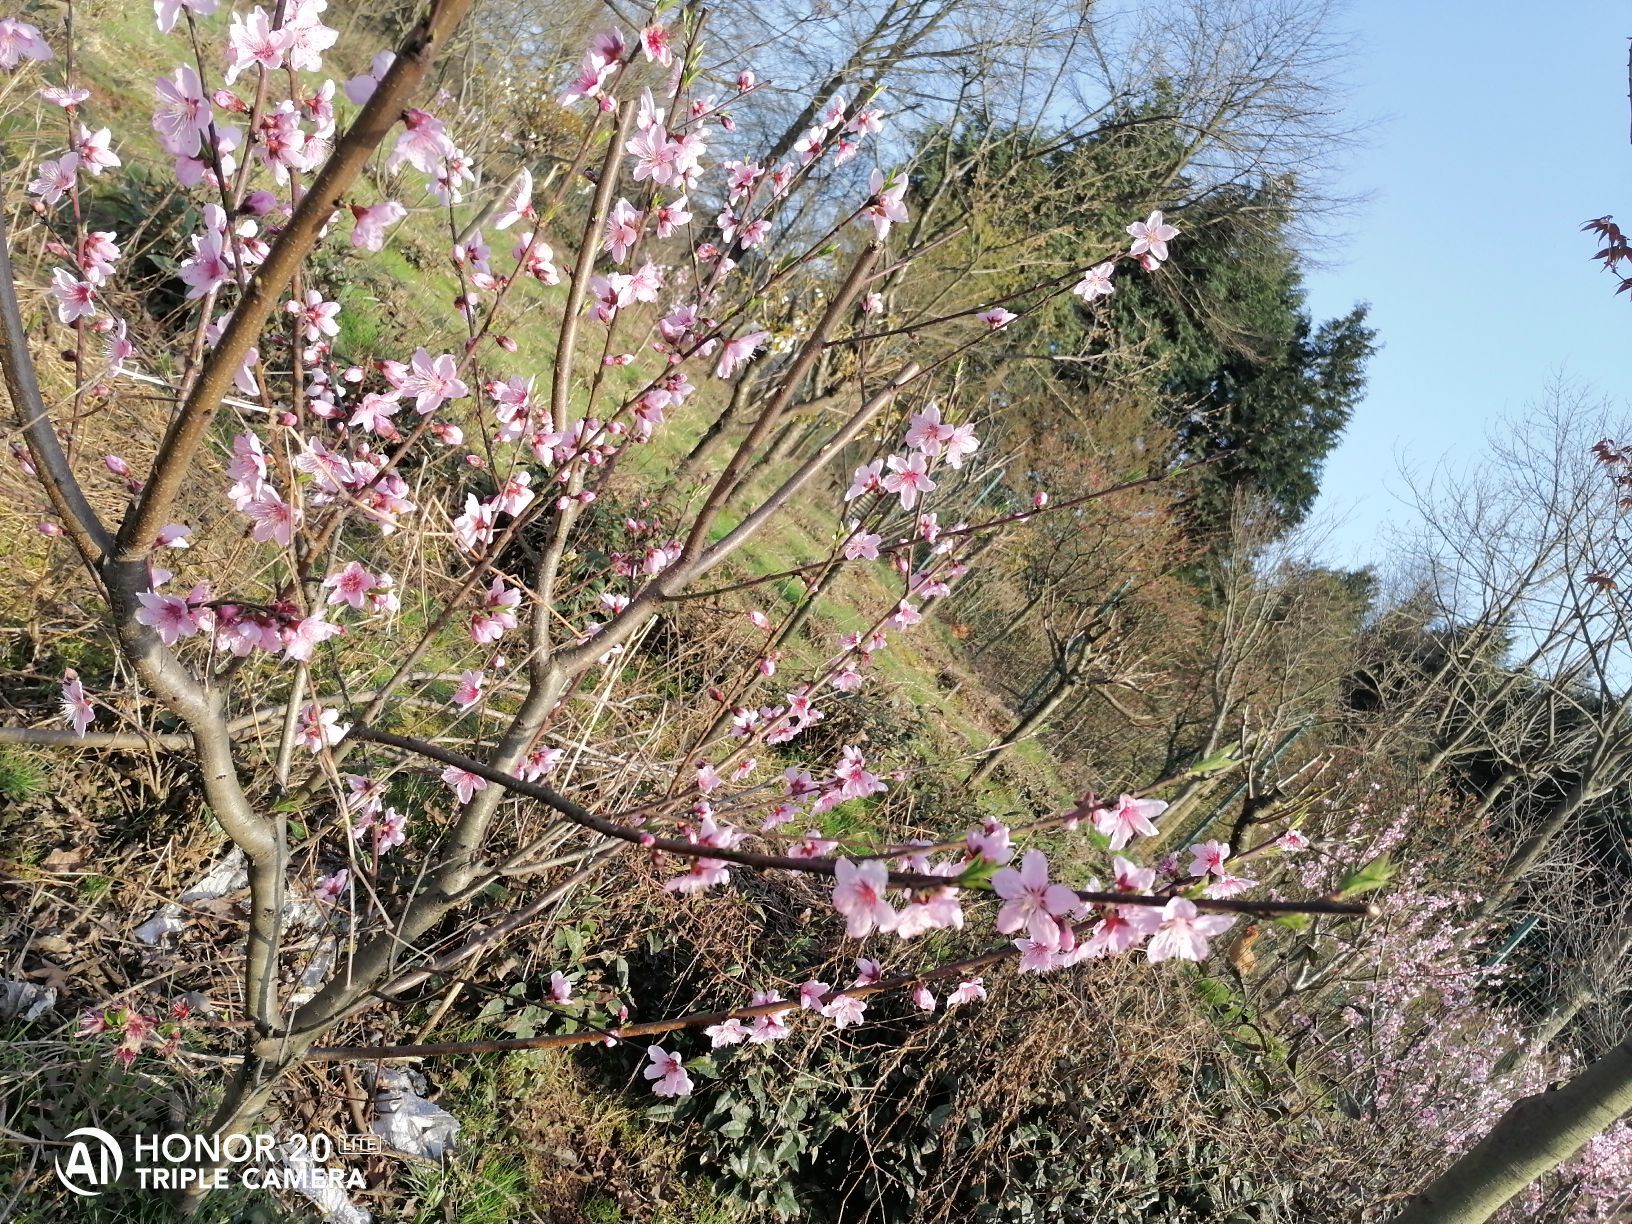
{"points": [[53, 179], [1130, 877], [960, 442], [497, 615], [361, 88], [475, 526], [729, 1032], [76, 299], [301, 639], [309, 37], [424, 144], [319, 727], [990, 841], [20, 41], [1207, 858], [76, 707], [368, 233], [374, 413], [1228, 884], [516, 202], [316, 316], [1184, 931], [1292, 841], [996, 319], [168, 11], [1030, 901], [908, 478], [737, 351], [538, 763], [170, 616], [923, 998], [844, 1010], [183, 115], [706, 872], [463, 783], [668, 1071], [1035, 957], [433, 381], [1095, 282], [767, 1028], [93, 151], [862, 546], [332, 887], [971, 990], [1151, 236], [208, 268], [657, 44], [926, 432], [855, 781], [391, 832], [253, 42], [1129, 816], [865, 480], [622, 230], [98, 255], [612, 293], [560, 988], [65, 96], [593, 72], [275, 519], [885, 207], [1120, 928], [859, 894], [469, 689]]}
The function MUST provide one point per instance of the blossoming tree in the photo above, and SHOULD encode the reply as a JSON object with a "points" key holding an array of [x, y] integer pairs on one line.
{"points": [[428, 530]]}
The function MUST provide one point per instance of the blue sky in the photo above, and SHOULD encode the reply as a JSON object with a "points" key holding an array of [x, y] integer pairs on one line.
{"points": [[1498, 129]]}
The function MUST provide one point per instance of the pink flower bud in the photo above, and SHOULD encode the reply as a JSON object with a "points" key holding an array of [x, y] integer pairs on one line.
{"points": [[506, 343], [116, 465], [47, 528]]}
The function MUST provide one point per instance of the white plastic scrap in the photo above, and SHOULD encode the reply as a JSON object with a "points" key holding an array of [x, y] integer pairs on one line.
{"points": [[229, 875], [25, 1000], [330, 1199], [407, 1121]]}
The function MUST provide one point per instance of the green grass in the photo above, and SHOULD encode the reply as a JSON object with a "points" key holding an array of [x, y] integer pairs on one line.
{"points": [[21, 777]]}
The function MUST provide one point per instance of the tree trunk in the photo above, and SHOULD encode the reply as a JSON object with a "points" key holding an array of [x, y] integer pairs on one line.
{"points": [[1063, 684], [1536, 1135]]}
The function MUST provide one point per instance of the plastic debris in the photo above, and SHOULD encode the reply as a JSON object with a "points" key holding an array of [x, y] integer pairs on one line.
{"points": [[25, 1000], [407, 1121], [317, 1183]]}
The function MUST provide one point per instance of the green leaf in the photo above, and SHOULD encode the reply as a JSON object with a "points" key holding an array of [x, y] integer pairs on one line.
{"points": [[978, 874], [1374, 875], [1224, 758]]}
